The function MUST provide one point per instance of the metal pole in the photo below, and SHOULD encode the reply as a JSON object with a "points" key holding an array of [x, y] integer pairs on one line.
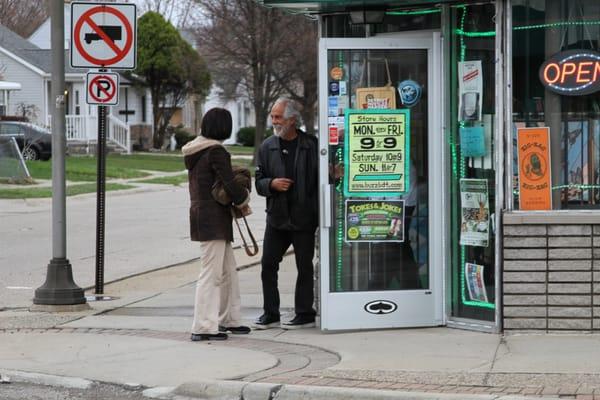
{"points": [[100, 198], [59, 288]]}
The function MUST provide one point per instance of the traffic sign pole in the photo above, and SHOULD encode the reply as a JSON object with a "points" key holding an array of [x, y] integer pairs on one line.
{"points": [[59, 289], [100, 198]]}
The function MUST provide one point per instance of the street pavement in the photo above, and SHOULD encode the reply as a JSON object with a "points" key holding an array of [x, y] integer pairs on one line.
{"points": [[140, 338], [146, 228]]}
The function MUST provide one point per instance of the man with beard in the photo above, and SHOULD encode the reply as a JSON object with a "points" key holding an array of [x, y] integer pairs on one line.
{"points": [[287, 175]]}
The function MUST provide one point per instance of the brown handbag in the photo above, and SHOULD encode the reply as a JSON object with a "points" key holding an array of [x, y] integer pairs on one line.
{"points": [[242, 177]]}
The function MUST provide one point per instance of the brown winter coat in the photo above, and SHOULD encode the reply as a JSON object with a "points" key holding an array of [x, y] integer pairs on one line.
{"points": [[207, 160]]}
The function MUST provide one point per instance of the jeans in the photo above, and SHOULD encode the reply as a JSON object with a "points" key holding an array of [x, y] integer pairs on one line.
{"points": [[276, 243]]}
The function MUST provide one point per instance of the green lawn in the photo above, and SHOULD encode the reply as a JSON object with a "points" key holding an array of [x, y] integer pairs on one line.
{"points": [[72, 190], [240, 150], [175, 180], [117, 166]]}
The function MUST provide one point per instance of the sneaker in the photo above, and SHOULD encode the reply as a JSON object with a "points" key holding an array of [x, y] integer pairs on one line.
{"points": [[266, 322], [238, 330], [300, 321], [197, 337]]}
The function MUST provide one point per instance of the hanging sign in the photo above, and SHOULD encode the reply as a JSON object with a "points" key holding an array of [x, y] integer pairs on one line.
{"points": [[572, 73], [374, 221], [103, 35], [475, 213], [102, 88], [376, 152], [475, 282], [472, 141], [470, 89], [535, 177]]}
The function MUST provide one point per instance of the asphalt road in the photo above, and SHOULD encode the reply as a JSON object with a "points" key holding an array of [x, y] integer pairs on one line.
{"points": [[145, 229]]}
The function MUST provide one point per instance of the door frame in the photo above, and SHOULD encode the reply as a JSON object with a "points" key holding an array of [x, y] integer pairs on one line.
{"points": [[432, 42]]}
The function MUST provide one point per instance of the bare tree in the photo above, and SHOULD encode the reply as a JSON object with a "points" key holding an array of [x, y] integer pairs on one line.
{"points": [[180, 13], [298, 68], [23, 16], [242, 43]]}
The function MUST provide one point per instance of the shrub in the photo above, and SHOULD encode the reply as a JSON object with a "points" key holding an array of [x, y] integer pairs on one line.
{"points": [[245, 136], [182, 136]]}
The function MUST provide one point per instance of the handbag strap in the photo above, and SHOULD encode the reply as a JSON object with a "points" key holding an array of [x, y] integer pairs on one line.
{"points": [[250, 251]]}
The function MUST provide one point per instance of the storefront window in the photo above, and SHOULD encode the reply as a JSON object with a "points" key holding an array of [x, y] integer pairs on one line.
{"points": [[556, 86], [472, 161]]}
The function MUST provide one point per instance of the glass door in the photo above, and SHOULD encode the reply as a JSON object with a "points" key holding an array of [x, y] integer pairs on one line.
{"points": [[382, 179]]}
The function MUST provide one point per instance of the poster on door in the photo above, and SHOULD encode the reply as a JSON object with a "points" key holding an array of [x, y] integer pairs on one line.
{"points": [[475, 212], [470, 90], [535, 177], [374, 221], [376, 149], [475, 282]]}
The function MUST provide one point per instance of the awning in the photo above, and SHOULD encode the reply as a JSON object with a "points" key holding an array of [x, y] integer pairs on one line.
{"points": [[4, 85], [326, 6]]}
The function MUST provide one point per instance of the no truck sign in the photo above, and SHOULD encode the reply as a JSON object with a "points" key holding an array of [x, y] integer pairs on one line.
{"points": [[103, 35]]}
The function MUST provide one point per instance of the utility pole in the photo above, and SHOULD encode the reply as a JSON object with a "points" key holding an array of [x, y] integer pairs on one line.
{"points": [[59, 288]]}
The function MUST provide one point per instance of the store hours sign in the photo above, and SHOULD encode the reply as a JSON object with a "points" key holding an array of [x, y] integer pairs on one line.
{"points": [[376, 153]]}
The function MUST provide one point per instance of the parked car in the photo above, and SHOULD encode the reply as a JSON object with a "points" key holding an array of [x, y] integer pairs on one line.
{"points": [[35, 142]]}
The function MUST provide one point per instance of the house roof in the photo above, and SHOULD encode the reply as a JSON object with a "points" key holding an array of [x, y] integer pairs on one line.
{"points": [[24, 49]]}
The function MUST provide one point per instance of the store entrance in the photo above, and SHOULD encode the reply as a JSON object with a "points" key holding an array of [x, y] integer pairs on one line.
{"points": [[381, 173]]}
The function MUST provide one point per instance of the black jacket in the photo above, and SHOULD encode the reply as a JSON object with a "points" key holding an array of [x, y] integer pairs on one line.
{"points": [[302, 214]]}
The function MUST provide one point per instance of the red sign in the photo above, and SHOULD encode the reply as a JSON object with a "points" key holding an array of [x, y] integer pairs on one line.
{"points": [[572, 73], [103, 35], [102, 88], [333, 135]]}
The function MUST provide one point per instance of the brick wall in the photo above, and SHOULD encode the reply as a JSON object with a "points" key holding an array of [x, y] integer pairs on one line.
{"points": [[551, 277]]}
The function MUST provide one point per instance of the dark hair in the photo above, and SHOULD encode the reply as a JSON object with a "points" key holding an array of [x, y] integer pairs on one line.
{"points": [[216, 124]]}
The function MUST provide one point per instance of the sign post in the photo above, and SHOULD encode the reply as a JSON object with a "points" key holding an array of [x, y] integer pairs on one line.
{"points": [[59, 289], [103, 36]]}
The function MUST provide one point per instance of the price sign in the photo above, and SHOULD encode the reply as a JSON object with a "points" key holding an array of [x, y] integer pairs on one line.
{"points": [[377, 152]]}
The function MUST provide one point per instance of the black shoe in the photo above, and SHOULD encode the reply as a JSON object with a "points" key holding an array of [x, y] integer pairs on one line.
{"points": [[238, 330], [266, 322], [300, 321], [196, 337]]}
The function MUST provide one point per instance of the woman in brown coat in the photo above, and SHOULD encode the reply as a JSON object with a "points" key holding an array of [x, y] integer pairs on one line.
{"points": [[217, 302]]}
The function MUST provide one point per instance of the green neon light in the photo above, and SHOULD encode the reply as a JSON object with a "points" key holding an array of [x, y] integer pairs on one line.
{"points": [[339, 215], [575, 186], [415, 12], [462, 168], [556, 25], [462, 33]]}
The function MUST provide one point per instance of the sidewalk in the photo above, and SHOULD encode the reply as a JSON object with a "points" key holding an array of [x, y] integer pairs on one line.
{"points": [[142, 338]]}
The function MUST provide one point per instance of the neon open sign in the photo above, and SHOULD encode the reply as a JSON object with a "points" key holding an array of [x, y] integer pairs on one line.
{"points": [[572, 73]]}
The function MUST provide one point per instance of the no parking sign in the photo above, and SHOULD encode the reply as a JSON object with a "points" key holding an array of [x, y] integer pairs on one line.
{"points": [[103, 35], [102, 88]]}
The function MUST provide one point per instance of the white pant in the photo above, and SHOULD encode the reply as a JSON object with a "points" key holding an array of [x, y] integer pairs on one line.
{"points": [[217, 290]]}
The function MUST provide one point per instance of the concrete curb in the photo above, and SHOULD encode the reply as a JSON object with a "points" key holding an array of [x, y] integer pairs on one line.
{"points": [[235, 390], [45, 379]]}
